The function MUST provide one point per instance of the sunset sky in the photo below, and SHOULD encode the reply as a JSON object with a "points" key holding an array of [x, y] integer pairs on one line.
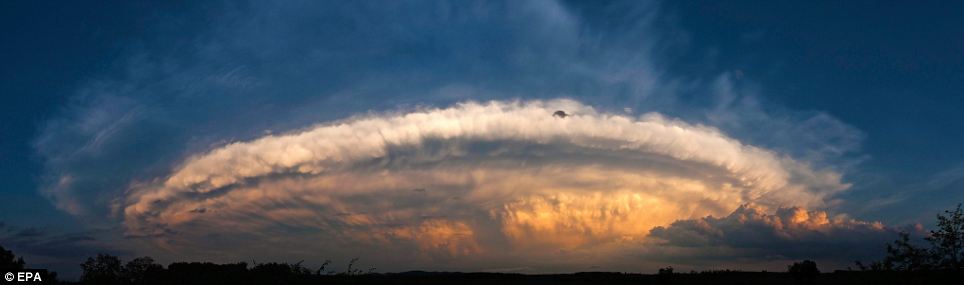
{"points": [[419, 135]]}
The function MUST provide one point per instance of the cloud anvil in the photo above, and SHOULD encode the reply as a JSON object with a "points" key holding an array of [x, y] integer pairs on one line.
{"points": [[494, 177]]}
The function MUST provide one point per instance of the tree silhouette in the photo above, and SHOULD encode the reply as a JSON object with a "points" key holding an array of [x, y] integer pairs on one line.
{"points": [[806, 269], [9, 261], [104, 269], [140, 269], [903, 256], [351, 270], [321, 270], [947, 242], [946, 251]]}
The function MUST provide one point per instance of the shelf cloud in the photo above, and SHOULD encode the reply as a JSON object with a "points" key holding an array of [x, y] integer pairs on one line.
{"points": [[474, 179]]}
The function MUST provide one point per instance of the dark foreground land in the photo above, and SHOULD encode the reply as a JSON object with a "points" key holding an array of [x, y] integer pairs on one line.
{"points": [[686, 278], [840, 277]]}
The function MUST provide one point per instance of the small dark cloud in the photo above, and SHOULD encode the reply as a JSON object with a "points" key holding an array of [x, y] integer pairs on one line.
{"points": [[165, 232], [432, 217], [30, 232], [788, 233], [60, 252]]}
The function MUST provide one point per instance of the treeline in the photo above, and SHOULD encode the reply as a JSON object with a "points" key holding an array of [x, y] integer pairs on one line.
{"points": [[107, 269], [943, 249], [939, 259]]}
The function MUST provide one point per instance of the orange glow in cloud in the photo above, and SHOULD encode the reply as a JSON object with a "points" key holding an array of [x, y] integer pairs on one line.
{"points": [[479, 180]]}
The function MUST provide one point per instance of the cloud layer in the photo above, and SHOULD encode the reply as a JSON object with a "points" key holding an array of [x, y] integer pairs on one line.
{"points": [[44, 248], [207, 145], [788, 233], [474, 179]]}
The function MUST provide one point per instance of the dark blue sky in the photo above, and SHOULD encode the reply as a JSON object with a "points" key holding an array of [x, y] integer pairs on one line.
{"points": [[114, 93], [892, 70]]}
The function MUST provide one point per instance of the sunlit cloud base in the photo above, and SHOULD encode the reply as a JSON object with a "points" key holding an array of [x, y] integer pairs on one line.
{"points": [[477, 185]]}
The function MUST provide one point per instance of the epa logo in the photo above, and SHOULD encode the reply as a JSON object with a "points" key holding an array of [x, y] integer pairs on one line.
{"points": [[23, 276]]}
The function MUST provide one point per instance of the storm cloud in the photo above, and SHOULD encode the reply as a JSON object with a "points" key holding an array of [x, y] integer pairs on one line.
{"points": [[495, 177], [787, 233], [420, 135]]}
